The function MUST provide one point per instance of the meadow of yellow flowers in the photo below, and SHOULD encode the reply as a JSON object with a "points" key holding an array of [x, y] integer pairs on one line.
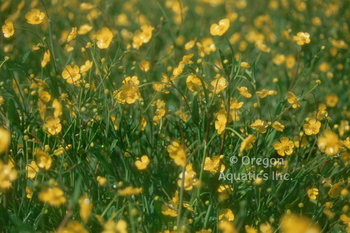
{"points": [[170, 116]]}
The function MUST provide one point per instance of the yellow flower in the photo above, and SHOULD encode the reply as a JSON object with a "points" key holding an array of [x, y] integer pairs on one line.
{"points": [[143, 123], [52, 125], [29, 192], [290, 62], [259, 126], [224, 192], [346, 142], [104, 38], [247, 143], [278, 126], [234, 104], [263, 93], [244, 92], [71, 74], [2, 101], [59, 151], [285, 146], [58, 108], [43, 159], [193, 83], [111, 227], [83, 29], [181, 114], [32, 169], [226, 214], [226, 227], [292, 223], [129, 94], [324, 67], [190, 44], [336, 189], [133, 80], [279, 59], [5, 139], [218, 85], [221, 120], [53, 195], [221, 28], [146, 34], [101, 180], [35, 16], [329, 143], [73, 227], [302, 38], [8, 29], [72, 34], [85, 207], [86, 67], [266, 228], [86, 6], [249, 229], [141, 165], [7, 175], [46, 59], [245, 64], [322, 113], [213, 165], [177, 153], [44, 96], [261, 46], [145, 66], [128, 191], [312, 193], [291, 99], [332, 100], [190, 178], [313, 127], [42, 109]]}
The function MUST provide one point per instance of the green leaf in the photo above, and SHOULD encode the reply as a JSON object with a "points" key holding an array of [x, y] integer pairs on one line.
{"points": [[12, 113], [195, 110], [25, 56]]}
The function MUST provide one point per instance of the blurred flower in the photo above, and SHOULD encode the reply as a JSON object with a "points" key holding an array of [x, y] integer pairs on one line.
{"points": [[72, 34], [128, 191], [278, 126], [52, 125], [32, 169], [104, 38], [245, 65], [226, 227], [143, 163], [247, 143], [261, 46], [143, 123], [322, 113], [285, 146], [279, 59], [332, 100], [336, 189], [5, 139], [111, 227], [190, 178], [193, 83], [190, 44], [177, 153], [266, 228], [8, 29], [144, 66], [83, 29], [292, 98], [221, 120], [218, 85], [171, 209], [35, 16], [72, 74], [213, 164], [226, 214], [302, 38], [53, 195], [46, 59], [29, 192], [101, 180], [290, 62], [244, 92], [225, 192], [259, 126], [85, 207], [43, 159], [263, 93], [312, 193], [304, 142], [44, 96], [329, 143], [86, 67], [73, 227], [7, 175], [221, 28]]}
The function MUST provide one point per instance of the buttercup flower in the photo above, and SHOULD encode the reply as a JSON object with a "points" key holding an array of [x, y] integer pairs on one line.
{"points": [[221, 120], [52, 125], [259, 126], [332, 100], [143, 163], [213, 164], [292, 98], [74, 227], [313, 127], [72, 34], [5, 138], [53, 195], [32, 169], [284, 147], [278, 126], [129, 94], [144, 66], [190, 178], [293, 223], [104, 38], [190, 44], [46, 59], [8, 29], [71, 74], [302, 38], [329, 143], [312, 193], [218, 85], [221, 28], [85, 207], [226, 214], [177, 153], [245, 65], [35, 16], [86, 67], [43, 159], [244, 92], [7, 175], [83, 29], [128, 191], [247, 143]]}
